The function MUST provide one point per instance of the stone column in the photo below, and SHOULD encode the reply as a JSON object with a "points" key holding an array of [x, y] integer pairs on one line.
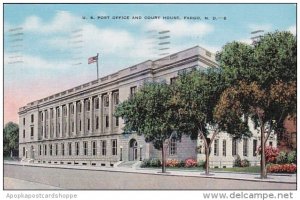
{"points": [[44, 124], [75, 118], [100, 114], [110, 112], [91, 115], [49, 123], [82, 117], [54, 122], [61, 121], [68, 120]]}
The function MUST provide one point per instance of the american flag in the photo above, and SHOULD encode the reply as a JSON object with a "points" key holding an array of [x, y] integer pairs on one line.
{"points": [[93, 59]]}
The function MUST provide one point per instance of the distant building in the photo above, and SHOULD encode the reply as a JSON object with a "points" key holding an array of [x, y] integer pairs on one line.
{"points": [[77, 126]]}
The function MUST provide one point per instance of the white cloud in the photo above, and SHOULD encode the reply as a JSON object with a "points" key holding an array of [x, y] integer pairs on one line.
{"points": [[292, 29]]}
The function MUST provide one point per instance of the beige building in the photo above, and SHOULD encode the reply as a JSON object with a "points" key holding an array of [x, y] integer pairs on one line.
{"points": [[77, 126]]}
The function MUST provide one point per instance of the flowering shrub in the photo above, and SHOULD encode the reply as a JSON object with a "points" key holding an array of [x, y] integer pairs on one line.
{"points": [[292, 157], [285, 168], [173, 163], [271, 154], [245, 163], [190, 162]]}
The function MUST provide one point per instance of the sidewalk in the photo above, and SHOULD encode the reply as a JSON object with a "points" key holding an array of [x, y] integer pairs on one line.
{"points": [[286, 178]]}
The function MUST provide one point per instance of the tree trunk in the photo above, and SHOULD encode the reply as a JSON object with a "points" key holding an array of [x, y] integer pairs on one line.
{"points": [[263, 171], [207, 160], [163, 162]]}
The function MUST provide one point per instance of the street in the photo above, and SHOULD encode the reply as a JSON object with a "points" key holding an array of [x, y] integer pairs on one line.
{"points": [[91, 179]]}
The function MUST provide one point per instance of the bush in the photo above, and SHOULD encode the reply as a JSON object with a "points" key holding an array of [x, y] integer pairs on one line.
{"points": [[271, 154], [245, 163], [190, 162], [182, 163], [292, 157], [201, 163], [281, 158], [283, 168], [237, 161], [153, 162], [172, 163]]}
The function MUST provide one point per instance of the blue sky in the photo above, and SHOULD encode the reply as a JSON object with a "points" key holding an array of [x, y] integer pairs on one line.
{"points": [[50, 56]]}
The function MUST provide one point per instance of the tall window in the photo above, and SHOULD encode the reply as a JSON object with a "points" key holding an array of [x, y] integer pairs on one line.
{"points": [[245, 147], [94, 148], [79, 125], [234, 147], [24, 133], [56, 149], [73, 124], [216, 147], [62, 149], [24, 121], [116, 98], [32, 118], [40, 150], [117, 121], [65, 110], [103, 146], [24, 151], [96, 103], [45, 149], [70, 148], [88, 124], [114, 147], [106, 121], [132, 91], [50, 148], [173, 147], [77, 148], [85, 148], [88, 105], [106, 101], [254, 147], [79, 107], [97, 122], [31, 131], [72, 109], [224, 148]]}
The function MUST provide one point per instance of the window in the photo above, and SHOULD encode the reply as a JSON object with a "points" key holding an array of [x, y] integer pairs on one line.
{"points": [[77, 148], [79, 125], [24, 121], [42, 130], [116, 98], [245, 147], [72, 109], [216, 147], [24, 151], [40, 150], [173, 147], [24, 133], [117, 121], [106, 101], [65, 110], [70, 148], [254, 147], [73, 124], [114, 147], [85, 148], [132, 91], [31, 131], [94, 148], [50, 148], [62, 149], [97, 103], [32, 118], [271, 144], [56, 149], [88, 105], [173, 80], [103, 144], [234, 147], [45, 149], [224, 148], [79, 107], [97, 122], [88, 124], [106, 121]]}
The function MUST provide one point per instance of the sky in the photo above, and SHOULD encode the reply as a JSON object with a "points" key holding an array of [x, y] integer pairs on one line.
{"points": [[47, 46]]}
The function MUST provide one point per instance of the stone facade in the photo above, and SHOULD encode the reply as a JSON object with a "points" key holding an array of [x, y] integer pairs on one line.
{"points": [[77, 126]]}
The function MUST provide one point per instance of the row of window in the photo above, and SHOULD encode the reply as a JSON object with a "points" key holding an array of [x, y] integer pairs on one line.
{"points": [[66, 148]]}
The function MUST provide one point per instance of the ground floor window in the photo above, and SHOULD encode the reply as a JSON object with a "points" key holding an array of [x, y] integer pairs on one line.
{"points": [[103, 146], [45, 149], [24, 151], [70, 148], [94, 148], [224, 148], [62, 149], [40, 150], [85, 148], [254, 147], [56, 149], [234, 147], [77, 148], [114, 147], [173, 147], [50, 148], [216, 147], [245, 147]]}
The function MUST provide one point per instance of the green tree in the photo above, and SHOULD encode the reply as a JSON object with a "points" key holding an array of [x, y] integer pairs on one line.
{"points": [[149, 113], [263, 83], [195, 96], [10, 138]]}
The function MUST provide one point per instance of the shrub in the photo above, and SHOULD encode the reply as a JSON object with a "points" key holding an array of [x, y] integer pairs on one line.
{"points": [[271, 154], [201, 163], [190, 162], [283, 168], [281, 158], [182, 163], [245, 163], [172, 163], [292, 157], [237, 161], [153, 162], [145, 163]]}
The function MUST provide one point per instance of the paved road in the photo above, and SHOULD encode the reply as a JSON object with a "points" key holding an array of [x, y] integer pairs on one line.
{"points": [[13, 183], [86, 179]]}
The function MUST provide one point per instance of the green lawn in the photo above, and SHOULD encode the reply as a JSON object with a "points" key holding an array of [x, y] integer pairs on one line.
{"points": [[252, 169]]}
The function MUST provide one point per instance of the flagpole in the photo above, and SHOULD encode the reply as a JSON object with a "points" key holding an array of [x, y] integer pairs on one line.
{"points": [[97, 67]]}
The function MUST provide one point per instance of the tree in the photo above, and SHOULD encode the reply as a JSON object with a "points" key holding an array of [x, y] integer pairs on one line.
{"points": [[10, 138], [149, 113], [195, 96], [263, 83]]}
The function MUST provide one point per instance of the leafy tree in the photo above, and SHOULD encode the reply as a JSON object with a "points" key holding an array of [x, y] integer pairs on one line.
{"points": [[263, 83], [149, 113], [195, 96], [10, 138]]}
